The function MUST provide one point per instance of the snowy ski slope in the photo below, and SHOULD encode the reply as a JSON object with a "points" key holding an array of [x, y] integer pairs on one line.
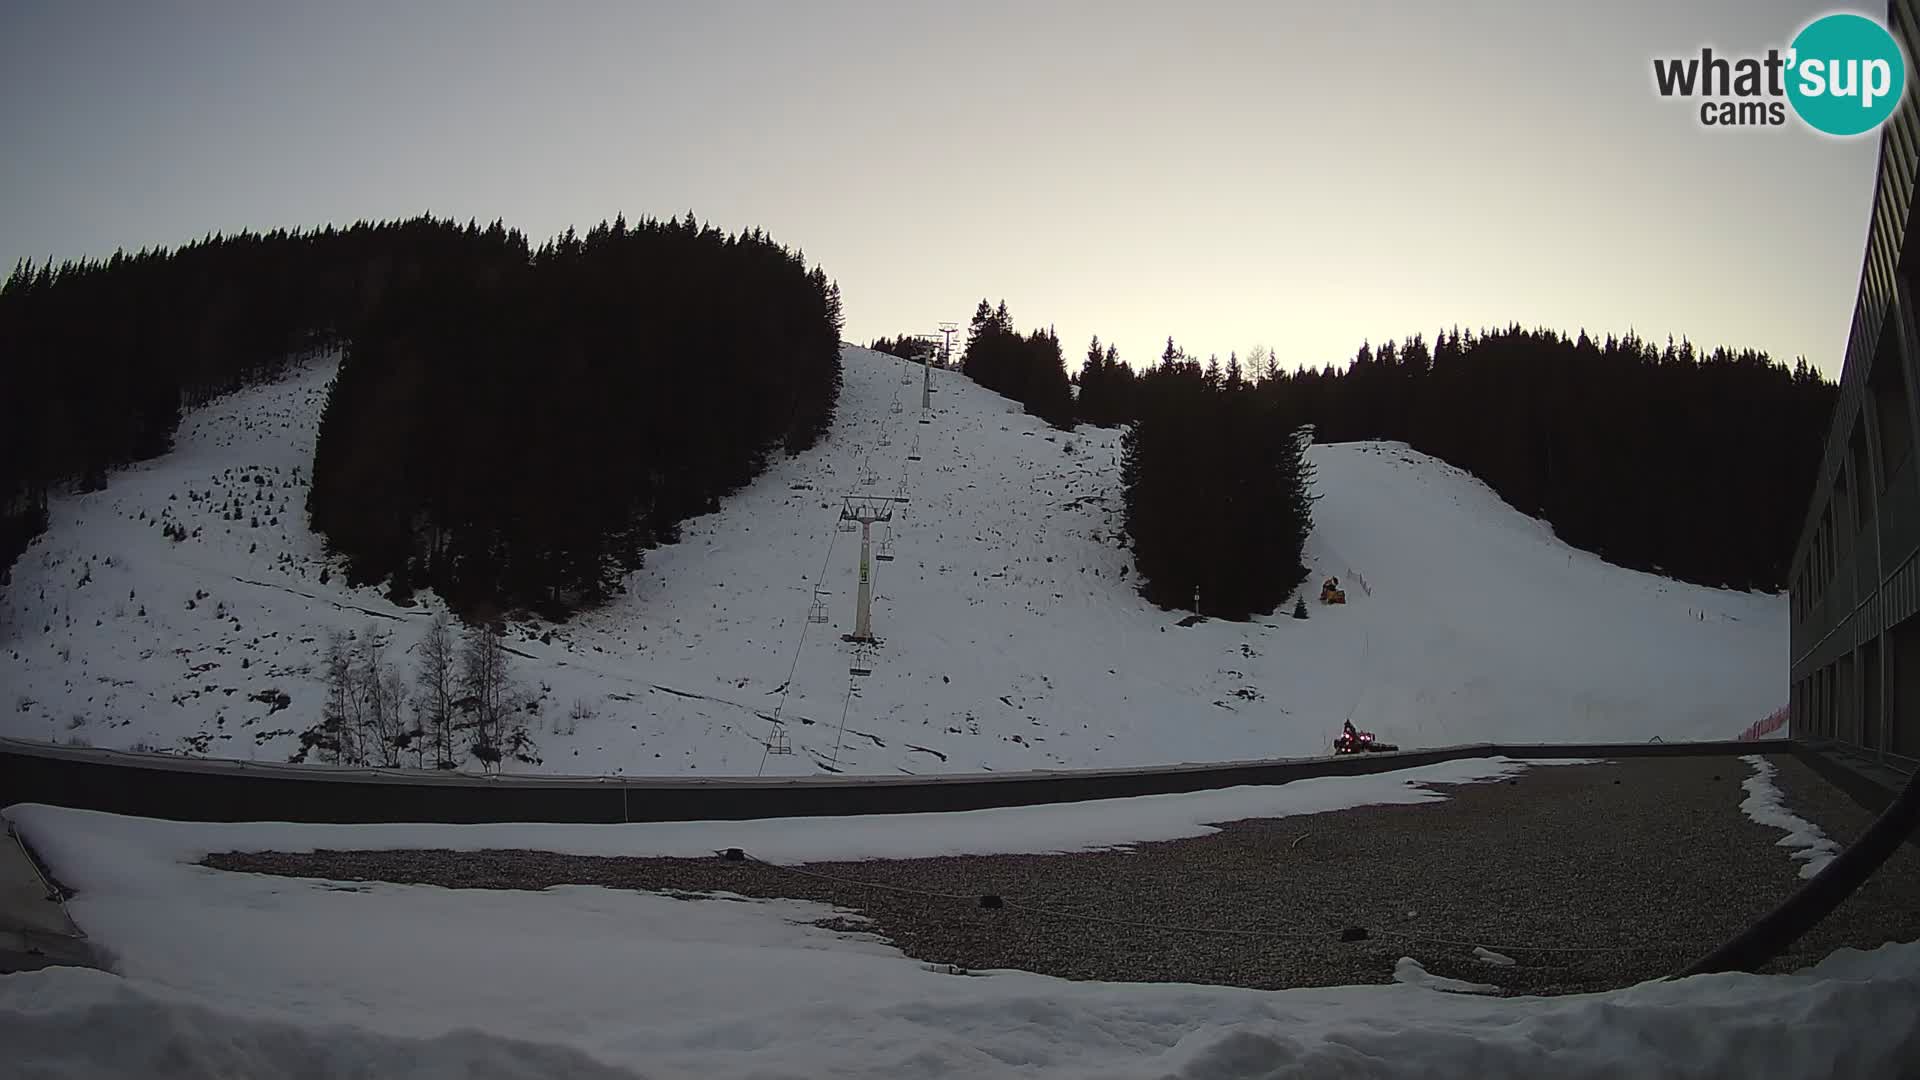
{"points": [[1013, 638]]}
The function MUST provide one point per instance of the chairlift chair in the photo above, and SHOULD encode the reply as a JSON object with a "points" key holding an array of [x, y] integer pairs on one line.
{"points": [[778, 743], [896, 406], [885, 553], [817, 611]]}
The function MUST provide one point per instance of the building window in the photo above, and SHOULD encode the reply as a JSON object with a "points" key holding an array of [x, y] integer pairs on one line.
{"points": [[1888, 384], [1863, 485]]}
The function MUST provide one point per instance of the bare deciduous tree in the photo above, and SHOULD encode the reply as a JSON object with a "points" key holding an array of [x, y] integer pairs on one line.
{"points": [[339, 743], [487, 692], [382, 701], [437, 686]]}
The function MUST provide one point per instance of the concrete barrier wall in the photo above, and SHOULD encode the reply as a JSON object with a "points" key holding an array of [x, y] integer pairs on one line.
{"points": [[184, 789]]}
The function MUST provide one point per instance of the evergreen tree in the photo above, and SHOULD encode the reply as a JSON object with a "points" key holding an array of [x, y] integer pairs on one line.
{"points": [[1029, 369], [1216, 489], [1691, 462]]}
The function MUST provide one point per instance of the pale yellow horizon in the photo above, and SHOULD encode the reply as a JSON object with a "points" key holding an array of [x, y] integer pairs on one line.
{"points": [[1296, 177]]}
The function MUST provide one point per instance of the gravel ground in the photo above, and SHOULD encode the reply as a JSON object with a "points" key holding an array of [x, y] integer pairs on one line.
{"points": [[1590, 877], [1890, 898]]}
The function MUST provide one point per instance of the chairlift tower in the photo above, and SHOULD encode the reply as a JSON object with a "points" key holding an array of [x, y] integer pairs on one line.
{"points": [[947, 330], [867, 512]]}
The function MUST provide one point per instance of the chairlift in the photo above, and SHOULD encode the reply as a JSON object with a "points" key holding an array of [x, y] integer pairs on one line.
{"points": [[885, 553], [778, 743], [862, 663], [817, 611], [900, 492], [896, 406]]}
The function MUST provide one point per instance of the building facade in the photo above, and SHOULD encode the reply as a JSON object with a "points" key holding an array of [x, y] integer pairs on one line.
{"points": [[1855, 586]]}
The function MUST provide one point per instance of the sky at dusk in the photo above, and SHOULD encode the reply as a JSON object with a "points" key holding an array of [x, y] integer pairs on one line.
{"points": [[1238, 174]]}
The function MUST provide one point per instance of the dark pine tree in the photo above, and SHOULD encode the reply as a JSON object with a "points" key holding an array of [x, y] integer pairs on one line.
{"points": [[1662, 457], [1217, 501], [1030, 369]]}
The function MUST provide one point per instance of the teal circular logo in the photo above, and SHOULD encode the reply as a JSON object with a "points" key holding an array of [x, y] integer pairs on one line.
{"points": [[1845, 74]]}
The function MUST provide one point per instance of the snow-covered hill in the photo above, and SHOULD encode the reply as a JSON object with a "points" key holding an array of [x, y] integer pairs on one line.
{"points": [[1013, 638]]}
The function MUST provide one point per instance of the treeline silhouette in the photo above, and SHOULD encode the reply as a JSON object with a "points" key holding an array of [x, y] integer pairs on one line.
{"points": [[513, 427], [910, 347], [1216, 486], [1691, 463], [1029, 369], [1107, 385], [1694, 464], [518, 437], [906, 347], [99, 356]]}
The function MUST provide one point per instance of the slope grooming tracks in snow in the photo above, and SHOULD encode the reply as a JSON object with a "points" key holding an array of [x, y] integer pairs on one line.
{"points": [[185, 608]]}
